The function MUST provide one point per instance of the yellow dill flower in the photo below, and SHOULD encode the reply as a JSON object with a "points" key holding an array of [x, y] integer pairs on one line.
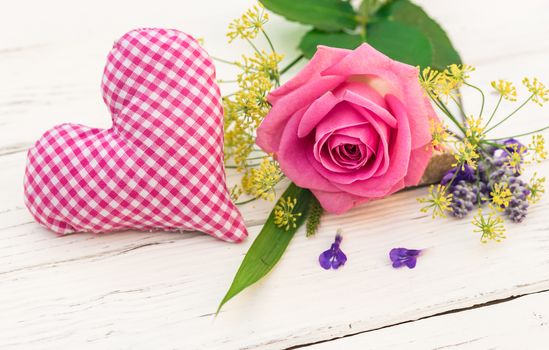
{"points": [[248, 106], [437, 201], [501, 195], [261, 65], [458, 73], [439, 135], [284, 217], [537, 148], [262, 180], [506, 89], [428, 79], [446, 86], [514, 160], [474, 131], [249, 24], [490, 226], [540, 94], [466, 153], [537, 188]]}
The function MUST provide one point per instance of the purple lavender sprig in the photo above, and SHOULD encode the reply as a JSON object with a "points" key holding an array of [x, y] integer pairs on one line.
{"points": [[470, 187]]}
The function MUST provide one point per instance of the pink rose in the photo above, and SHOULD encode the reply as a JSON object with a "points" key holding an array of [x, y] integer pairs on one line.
{"points": [[352, 126]]}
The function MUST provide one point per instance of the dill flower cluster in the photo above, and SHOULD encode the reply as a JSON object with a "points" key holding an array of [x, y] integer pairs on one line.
{"points": [[284, 216], [249, 24], [244, 109], [486, 170]]}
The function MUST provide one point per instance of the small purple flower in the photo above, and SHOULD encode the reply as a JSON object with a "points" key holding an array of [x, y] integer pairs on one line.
{"points": [[512, 144], [465, 173], [403, 256], [509, 146], [333, 257]]}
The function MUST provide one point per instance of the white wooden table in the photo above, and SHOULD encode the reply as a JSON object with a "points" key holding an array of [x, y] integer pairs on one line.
{"points": [[160, 290]]}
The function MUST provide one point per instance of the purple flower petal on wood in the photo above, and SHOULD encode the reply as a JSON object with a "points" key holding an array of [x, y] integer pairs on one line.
{"points": [[324, 259], [333, 257], [403, 256], [339, 259]]}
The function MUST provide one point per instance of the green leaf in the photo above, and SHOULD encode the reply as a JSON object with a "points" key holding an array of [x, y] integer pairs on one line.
{"points": [[405, 12], [268, 246], [401, 42], [327, 15], [315, 37], [368, 8]]}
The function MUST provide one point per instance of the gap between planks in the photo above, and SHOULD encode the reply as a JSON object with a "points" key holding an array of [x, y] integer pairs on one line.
{"points": [[440, 314]]}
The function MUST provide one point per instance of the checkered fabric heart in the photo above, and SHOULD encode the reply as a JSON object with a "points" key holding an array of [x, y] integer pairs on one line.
{"points": [[159, 167]]}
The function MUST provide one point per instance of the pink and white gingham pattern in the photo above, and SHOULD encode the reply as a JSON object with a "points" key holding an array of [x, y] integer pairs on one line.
{"points": [[159, 167]]}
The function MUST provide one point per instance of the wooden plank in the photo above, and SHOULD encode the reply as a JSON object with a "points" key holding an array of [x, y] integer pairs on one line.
{"points": [[160, 290], [144, 290], [521, 323], [50, 77]]}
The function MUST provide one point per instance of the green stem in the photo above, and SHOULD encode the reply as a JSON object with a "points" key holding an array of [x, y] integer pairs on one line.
{"points": [[512, 113], [519, 135], [253, 46], [223, 61], [258, 157], [462, 114], [493, 144], [445, 110], [494, 112], [247, 201], [453, 134], [291, 64], [458, 103], [269, 41], [481, 94], [236, 166]]}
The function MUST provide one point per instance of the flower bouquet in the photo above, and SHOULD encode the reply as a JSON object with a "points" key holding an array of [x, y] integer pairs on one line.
{"points": [[358, 123]]}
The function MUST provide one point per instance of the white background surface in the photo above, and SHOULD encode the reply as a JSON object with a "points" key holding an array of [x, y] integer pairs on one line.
{"points": [[159, 290]]}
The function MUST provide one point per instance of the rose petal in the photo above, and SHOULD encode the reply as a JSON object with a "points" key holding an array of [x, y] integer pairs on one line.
{"points": [[370, 169], [316, 112], [399, 154], [344, 160], [338, 175], [382, 113], [326, 159], [293, 157], [359, 85], [300, 91], [381, 163], [324, 58], [270, 130], [341, 116], [379, 69], [338, 202], [419, 160], [399, 79]]}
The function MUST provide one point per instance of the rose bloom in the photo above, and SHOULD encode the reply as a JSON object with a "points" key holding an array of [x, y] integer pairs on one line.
{"points": [[351, 126]]}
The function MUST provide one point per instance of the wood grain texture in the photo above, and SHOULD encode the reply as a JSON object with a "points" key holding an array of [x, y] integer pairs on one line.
{"points": [[521, 323], [159, 290]]}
